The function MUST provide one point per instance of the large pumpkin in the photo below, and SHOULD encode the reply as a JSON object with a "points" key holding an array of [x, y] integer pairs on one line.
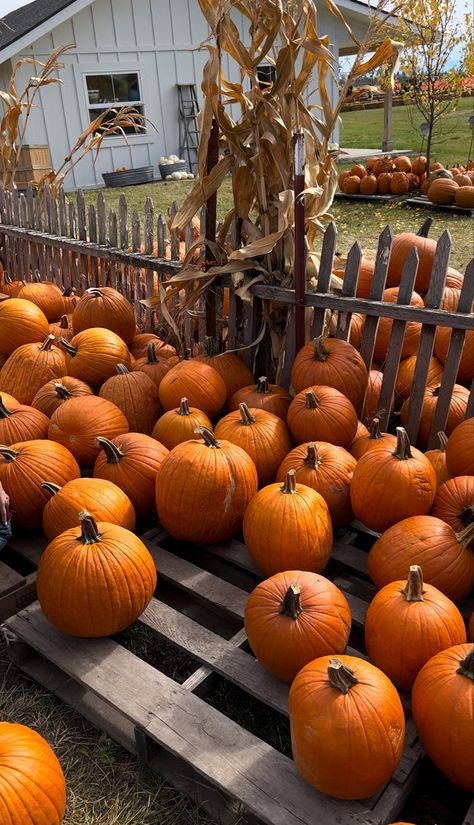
{"points": [[78, 423], [232, 370], [21, 423], [389, 485], [328, 469], [454, 502], [374, 438], [406, 373], [131, 461], [23, 466], [288, 527], [96, 579], [265, 396], [441, 347], [460, 450], [294, 617], [31, 366], [443, 712], [456, 412], [54, 393], [262, 435], [447, 561], [47, 297], [347, 726], [442, 190], [407, 623], [92, 355], [32, 784], [401, 248], [322, 414], [437, 458], [411, 337], [198, 382], [152, 366], [464, 196], [203, 488], [103, 499], [332, 363], [136, 395], [105, 307], [175, 426]]}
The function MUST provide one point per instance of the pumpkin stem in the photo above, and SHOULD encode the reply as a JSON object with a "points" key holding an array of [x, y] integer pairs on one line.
{"points": [[6, 278], [466, 516], [37, 277], [443, 440], [50, 487], [69, 291], [150, 353], [62, 391], [246, 416], [311, 400], [8, 454], [47, 343], [341, 676], [435, 391], [467, 535], [289, 485], [89, 532], [95, 291], [113, 453], [208, 436], [262, 385], [3, 410], [320, 351], [466, 666], [375, 432], [312, 459], [413, 590], [402, 451], [70, 349], [63, 322], [291, 604], [183, 407], [121, 369]]}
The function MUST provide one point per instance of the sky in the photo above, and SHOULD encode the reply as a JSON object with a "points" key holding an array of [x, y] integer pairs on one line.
{"points": [[8, 5]]}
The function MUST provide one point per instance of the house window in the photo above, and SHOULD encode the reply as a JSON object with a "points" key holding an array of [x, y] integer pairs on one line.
{"points": [[266, 75], [113, 90]]}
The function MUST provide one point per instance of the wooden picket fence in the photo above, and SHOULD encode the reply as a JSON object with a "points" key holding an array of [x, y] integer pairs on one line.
{"points": [[79, 247]]}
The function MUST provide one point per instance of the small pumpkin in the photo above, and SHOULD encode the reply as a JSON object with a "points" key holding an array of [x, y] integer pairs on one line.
{"points": [[332, 363], [11, 287], [351, 746], [407, 623], [265, 396], [368, 185], [136, 395], [77, 424], [262, 435], [54, 393], [93, 354], [406, 374], [341, 179], [294, 617], [328, 469], [361, 430], [176, 426], [443, 712], [359, 170], [47, 297], [389, 485], [153, 367], [384, 183], [232, 370], [131, 461], [21, 423], [456, 412], [104, 500], [96, 579], [437, 457], [462, 179], [105, 307], [383, 165], [200, 383], [447, 561], [399, 185], [464, 196], [454, 502], [203, 488], [322, 413], [139, 346], [402, 163], [288, 527], [351, 185], [29, 367], [419, 165], [32, 784], [460, 449], [371, 440]]}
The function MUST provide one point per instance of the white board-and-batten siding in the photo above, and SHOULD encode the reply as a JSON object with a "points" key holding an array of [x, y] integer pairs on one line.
{"points": [[156, 38]]}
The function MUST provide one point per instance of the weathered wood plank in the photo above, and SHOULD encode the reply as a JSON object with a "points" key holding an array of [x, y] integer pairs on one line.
{"points": [[349, 286], [324, 279]]}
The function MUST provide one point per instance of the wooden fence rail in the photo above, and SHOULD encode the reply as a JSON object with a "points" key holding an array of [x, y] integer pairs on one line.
{"points": [[79, 247]]}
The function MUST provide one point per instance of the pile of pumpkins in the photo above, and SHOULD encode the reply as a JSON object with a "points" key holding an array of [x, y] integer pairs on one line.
{"points": [[211, 451], [384, 175]]}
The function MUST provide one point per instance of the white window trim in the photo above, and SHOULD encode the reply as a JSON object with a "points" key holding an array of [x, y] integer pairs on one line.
{"points": [[118, 67]]}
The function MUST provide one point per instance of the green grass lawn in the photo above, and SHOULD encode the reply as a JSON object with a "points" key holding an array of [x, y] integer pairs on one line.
{"points": [[364, 129]]}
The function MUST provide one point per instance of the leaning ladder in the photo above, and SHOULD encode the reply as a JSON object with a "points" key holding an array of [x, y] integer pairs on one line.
{"points": [[188, 109]]}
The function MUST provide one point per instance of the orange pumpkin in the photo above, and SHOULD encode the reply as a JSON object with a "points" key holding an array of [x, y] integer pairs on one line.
{"points": [[131, 461], [389, 485], [384, 183], [198, 382], [401, 248], [419, 165], [322, 413], [456, 412], [10, 287], [136, 395], [464, 196], [351, 185], [442, 190], [372, 398], [232, 370], [413, 611], [153, 367], [454, 502], [139, 346], [77, 424], [265, 396], [54, 393], [93, 354], [176, 426], [21, 423], [443, 712], [29, 367], [47, 297], [62, 329], [368, 185], [332, 363], [442, 342], [104, 500], [412, 330], [105, 307], [288, 527], [460, 450], [406, 373], [328, 470], [351, 746], [437, 458], [294, 617], [371, 440], [402, 163], [399, 185], [21, 322]]}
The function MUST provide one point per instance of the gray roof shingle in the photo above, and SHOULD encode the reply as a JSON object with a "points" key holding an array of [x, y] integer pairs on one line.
{"points": [[23, 20]]}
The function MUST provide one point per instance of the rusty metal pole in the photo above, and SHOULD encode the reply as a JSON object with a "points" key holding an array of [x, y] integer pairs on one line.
{"points": [[300, 249]]}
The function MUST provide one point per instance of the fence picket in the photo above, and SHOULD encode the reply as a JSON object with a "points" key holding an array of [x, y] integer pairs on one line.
{"points": [[349, 286], [376, 292], [324, 277]]}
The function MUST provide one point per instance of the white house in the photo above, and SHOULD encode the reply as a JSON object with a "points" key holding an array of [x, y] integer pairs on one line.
{"points": [[124, 51]]}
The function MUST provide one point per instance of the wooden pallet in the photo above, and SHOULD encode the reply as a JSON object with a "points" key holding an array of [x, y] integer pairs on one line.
{"points": [[170, 726], [18, 562], [342, 196], [444, 207]]}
